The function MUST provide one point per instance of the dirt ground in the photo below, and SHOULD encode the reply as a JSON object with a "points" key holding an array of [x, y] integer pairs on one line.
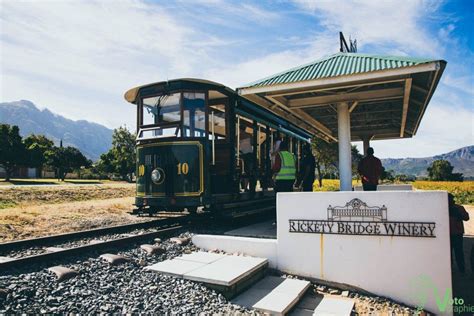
{"points": [[16, 196], [42, 220], [33, 211]]}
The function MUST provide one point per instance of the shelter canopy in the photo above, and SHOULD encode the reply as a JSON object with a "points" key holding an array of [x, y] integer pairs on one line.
{"points": [[386, 95]]}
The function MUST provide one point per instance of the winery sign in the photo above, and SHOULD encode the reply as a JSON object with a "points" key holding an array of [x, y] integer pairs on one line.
{"points": [[356, 218]]}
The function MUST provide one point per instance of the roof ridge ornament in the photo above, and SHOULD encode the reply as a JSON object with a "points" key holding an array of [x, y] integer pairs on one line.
{"points": [[344, 48]]}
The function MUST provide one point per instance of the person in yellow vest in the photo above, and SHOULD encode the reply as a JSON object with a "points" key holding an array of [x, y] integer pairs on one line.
{"points": [[284, 169]]}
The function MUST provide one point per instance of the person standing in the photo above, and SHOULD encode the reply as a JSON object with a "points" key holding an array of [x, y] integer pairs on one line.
{"points": [[284, 169], [457, 214], [370, 170], [307, 169]]}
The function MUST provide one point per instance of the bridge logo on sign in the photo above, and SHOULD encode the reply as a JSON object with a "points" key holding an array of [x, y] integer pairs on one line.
{"points": [[357, 218]]}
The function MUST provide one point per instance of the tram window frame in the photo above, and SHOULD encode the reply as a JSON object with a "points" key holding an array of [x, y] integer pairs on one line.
{"points": [[162, 123], [225, 138], [183, 126], [179, 124]]}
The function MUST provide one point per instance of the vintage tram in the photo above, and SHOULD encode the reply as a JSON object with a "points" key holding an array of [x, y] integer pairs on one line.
{"points": [[200, 144]]}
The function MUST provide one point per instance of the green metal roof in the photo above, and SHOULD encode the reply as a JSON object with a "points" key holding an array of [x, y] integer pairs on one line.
{"points": [[339, 64]]}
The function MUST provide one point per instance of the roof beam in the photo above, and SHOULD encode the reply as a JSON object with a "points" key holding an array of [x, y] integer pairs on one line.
{"points": [[290, 117], [406, 99], [353, 106], [420, 89], [283, 103], [346, 97], [329, 89]]}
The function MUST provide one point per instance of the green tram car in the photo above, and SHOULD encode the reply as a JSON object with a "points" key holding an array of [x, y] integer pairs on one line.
{"points": [[200, 144]]}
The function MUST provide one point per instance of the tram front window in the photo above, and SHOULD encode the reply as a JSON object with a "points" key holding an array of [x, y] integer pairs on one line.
{"points": [[161, 109]]}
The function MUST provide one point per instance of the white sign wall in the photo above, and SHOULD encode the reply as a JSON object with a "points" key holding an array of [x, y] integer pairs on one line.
{"points": [[395, 244]]}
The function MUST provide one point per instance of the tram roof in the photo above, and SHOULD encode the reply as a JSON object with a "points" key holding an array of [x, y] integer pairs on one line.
{"points": [[131, 94], [387, 95], [247, 107]]}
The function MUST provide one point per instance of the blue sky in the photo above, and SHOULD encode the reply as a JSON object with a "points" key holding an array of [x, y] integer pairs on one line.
{"points": [[77, 58]]}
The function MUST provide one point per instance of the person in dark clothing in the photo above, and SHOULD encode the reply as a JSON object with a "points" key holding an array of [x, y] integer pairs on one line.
{"points": [[370, 170], [307, 168], [284, 169], [457, 214]]}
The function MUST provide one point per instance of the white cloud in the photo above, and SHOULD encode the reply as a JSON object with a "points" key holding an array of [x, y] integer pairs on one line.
{"points": [[446, 126], [93, 50], [79, 57], [385, 23]]}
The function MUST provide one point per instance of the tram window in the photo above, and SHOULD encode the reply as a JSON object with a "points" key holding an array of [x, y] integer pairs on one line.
{"points": [[159, 109], [217, 114], [194, 114], [160, 132]]}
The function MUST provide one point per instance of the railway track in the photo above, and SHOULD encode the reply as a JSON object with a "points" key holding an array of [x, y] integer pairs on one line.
{"points": [[87, 241], [157, 228]]}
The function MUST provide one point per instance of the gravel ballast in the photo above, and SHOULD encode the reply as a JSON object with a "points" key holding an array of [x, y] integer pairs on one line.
{"points": [[101, 287]]}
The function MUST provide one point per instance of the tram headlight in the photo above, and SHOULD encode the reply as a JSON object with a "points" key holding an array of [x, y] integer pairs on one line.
{"points": [[157, 176]]}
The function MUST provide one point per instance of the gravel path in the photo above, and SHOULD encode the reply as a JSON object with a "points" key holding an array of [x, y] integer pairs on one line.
{"points": [[103, 288]]}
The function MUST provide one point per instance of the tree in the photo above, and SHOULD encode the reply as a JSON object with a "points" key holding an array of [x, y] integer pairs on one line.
{"points": [[12, 149], [388, 175], [442, 170], [356, 158], [37, 146], [120, 159], [66, 159], [325, 155]]}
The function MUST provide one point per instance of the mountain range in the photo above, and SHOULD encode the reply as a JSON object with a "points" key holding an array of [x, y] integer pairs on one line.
{"points": [[91, 139], [461, 159], [94, 139]]}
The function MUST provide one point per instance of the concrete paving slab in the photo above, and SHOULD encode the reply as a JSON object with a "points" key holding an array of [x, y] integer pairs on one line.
{"points": [[283, 297], [276, 303], [265, 229], [175, 267], [334, 306], [227, 270], [293, 286], [258, 291], [201, 256]]}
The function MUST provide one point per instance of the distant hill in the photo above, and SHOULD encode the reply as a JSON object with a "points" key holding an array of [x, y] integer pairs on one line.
{"points": [[461, 159], [91, 139]]}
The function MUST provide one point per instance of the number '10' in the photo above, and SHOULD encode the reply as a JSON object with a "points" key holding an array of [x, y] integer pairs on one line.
{"points": [[183, 168]]}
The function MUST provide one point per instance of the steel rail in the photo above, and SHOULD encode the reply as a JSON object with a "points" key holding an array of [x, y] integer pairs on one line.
{"points": [[81, 250], [39, 241]]}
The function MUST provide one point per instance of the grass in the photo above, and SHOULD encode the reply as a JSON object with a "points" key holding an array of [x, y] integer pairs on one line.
{"points": [[463, 191]]}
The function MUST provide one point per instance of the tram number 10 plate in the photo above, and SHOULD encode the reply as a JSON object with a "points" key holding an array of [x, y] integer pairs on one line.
{"points": [[183, 168]]}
